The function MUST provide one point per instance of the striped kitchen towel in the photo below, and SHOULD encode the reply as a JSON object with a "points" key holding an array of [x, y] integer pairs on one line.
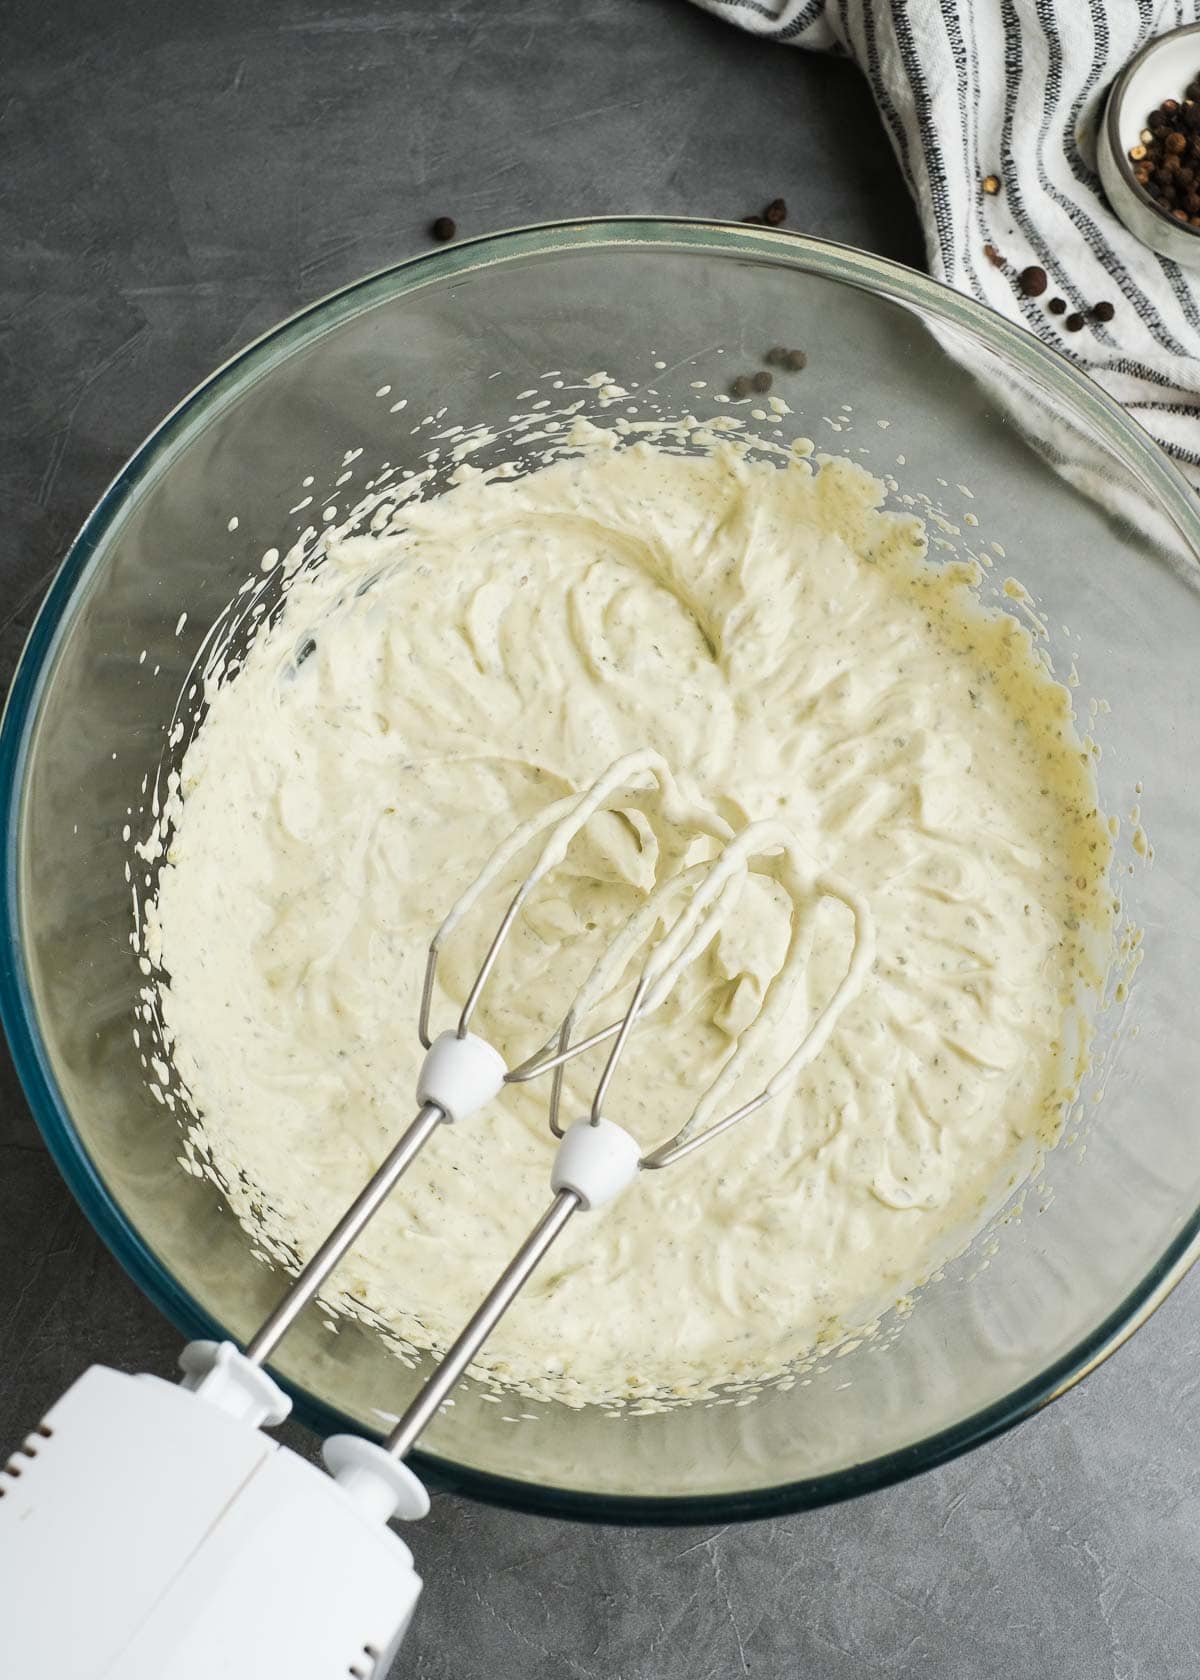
{"points": [[1015, 89]]}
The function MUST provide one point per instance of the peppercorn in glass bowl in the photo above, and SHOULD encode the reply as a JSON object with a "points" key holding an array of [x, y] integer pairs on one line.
{"points": [[1148, 145], [1045, 476]]}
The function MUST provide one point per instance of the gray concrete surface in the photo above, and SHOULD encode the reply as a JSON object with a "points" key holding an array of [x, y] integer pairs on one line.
{"points": [[172, 180]]}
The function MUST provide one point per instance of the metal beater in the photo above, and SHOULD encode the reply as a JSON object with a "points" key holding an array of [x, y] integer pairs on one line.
{"points": [[194, 1544]]}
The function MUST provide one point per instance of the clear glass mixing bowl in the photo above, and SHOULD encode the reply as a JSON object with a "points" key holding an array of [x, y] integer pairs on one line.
{"points": [[1113, 1221]]}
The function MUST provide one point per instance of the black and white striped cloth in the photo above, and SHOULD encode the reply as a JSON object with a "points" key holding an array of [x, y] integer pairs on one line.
{"points": [[1015, 88]]}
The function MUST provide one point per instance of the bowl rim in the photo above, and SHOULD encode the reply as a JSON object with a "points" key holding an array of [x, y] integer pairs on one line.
{"points": [[825, 259], [1113, 110]]}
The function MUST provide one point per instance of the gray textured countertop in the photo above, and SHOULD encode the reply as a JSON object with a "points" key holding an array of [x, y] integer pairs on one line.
{"points": [[172, 181]]}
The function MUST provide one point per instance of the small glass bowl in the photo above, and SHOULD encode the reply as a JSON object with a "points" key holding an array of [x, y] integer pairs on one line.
{"points": [[1161, 70]]}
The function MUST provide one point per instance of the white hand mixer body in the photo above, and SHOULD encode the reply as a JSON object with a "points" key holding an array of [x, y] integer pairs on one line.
{"points": [[193, 1545]]}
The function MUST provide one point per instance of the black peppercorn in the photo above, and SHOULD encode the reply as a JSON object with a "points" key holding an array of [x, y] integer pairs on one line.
{"points": [[762, 381], [1073, 323], [1166, 158], [1057, 306], [1103, 311], [444, 228], [793, 360], [742, 386], [775, 212]]}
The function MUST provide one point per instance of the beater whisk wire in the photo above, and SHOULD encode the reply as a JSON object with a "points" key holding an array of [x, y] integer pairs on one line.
{"points": [[780, 855], [565, 819]]}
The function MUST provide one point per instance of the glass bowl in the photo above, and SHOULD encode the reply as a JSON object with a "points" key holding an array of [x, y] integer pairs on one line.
{"points": [[1162, 69], [965, 400]]}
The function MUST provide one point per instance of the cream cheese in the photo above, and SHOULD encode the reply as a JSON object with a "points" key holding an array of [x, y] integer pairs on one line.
{"points": [[789, 648]]}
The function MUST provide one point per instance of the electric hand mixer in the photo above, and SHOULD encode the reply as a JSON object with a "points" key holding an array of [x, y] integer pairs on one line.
{"points": [[192, 1545]]}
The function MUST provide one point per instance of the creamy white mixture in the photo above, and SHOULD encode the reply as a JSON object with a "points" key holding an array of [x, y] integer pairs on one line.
{"points": [[788, 648]]}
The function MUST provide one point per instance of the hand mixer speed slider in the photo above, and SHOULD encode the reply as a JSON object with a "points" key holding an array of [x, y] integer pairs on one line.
{"points": [[235, 1556]]}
